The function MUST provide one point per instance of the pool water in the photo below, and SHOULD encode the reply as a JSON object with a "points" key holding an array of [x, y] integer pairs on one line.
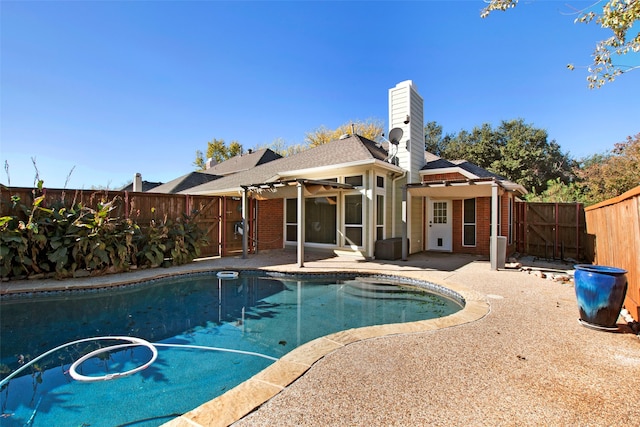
{"points": [[265, 316]]}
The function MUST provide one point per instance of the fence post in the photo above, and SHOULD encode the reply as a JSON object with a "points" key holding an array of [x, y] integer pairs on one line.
{"points": [[557, 231], [577, 231], [126, 204]]}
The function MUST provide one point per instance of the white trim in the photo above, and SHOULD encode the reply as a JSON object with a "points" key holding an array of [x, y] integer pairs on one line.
{"points": [[333, 168]]}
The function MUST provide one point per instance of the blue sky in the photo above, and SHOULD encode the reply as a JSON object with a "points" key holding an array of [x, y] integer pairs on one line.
{"points": [[115, 88]]}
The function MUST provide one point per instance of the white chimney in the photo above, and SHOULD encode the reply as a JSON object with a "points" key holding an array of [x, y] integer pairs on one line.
{"points": [[137, 183], [406, 111], [210, 163]]}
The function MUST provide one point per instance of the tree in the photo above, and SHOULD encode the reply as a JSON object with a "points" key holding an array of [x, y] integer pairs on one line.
{"points": [[526, 157], [559, 192], [618, 16], [218, 151], [434, 142], [371, 129], [603, 176], [280, 146], [515, 150]]}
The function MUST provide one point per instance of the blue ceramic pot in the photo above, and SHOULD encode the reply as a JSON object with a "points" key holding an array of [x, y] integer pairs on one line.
{"points": [[600, 292]]}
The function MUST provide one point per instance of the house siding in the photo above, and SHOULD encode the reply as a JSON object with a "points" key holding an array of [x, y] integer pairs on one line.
{"points": [[270, 224], [416, 224]]}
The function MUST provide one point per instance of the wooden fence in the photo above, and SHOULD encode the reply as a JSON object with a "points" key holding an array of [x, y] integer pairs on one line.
{"points": [[616, 226], [141, 207], [551, 230]]}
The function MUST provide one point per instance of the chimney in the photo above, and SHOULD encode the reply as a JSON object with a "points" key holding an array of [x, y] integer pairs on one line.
{"points": [[210, 163], [406, 112], [137, 183]]}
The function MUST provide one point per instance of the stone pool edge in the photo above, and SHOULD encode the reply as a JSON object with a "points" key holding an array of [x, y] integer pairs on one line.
{"points": [[243, 399], [254, 392]]}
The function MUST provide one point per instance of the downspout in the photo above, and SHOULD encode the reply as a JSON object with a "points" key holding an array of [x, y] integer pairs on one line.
{"points": [[245, 229], [405, 246]]}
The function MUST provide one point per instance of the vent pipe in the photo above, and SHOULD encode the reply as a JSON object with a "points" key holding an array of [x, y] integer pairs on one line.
{"points": [[137, 183]]}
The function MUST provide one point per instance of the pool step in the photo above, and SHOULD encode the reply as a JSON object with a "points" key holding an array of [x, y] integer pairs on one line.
{"points": [[375, 290]]}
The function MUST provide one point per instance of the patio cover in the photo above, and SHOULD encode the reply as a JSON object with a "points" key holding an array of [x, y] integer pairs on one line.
{"points": [[463, 189], [299, 188]]}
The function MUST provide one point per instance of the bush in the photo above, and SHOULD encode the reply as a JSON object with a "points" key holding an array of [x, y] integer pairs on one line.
{"points": [[58, 241]]}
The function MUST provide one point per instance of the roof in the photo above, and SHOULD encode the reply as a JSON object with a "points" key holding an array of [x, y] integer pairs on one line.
{"points": [[435, 162], [351, 150], [146, 186], [243, 162], [475, 175], [184, 182]]}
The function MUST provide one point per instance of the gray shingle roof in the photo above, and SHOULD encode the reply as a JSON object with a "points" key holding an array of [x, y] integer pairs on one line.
{"points": [[146, 186], [476, 170], [352, 149], [184, 182], [243, 162]]}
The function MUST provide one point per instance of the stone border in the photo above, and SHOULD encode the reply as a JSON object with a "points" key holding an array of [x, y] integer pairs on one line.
{"points": [[243, 399]]}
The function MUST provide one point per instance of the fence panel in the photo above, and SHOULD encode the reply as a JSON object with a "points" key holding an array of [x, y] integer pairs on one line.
{"points": [[141, 207], [551, 230], [616, 226], [208, 219]]}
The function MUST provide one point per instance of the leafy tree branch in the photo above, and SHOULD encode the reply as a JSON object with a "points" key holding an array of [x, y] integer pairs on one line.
{"points": [[618, 16]]}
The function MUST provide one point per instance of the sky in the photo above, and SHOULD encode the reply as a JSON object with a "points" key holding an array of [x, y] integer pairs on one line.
{"points": [[97, 91]]}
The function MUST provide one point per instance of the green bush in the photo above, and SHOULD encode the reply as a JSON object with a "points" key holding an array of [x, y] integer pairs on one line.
{"points": [[59, 241]]}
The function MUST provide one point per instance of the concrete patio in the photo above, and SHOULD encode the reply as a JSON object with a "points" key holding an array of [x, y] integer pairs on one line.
{"points": [[517, 356]]}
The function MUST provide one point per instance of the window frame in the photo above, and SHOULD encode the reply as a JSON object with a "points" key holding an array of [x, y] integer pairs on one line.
{"points": [[473, 224]]}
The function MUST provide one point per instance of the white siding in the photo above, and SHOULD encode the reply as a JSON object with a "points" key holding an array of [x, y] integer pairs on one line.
{"points": [[416, 225], [404, 101]]}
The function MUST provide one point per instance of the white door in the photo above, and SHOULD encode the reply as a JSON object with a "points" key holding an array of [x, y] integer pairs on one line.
{"points": [[439, 227]]}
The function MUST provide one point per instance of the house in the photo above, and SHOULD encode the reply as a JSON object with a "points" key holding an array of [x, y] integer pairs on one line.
{"points": [[349, 194]]}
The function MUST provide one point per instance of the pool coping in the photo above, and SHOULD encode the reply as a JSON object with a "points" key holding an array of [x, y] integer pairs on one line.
{"points": [[243, 399]]}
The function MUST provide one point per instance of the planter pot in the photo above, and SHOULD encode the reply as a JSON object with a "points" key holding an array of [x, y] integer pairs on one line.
{"points": [[600, 292]]}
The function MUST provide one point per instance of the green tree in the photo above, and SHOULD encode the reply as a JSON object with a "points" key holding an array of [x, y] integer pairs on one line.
{"points": [[618, 16], [603, 176], [515, 150], [559, 192], [217, 150], [526, 157], [435, 142], [371, 129]]}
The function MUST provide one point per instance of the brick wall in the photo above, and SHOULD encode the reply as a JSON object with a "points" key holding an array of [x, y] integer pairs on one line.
{"points": [[270, 224], [443, 177], [483, 226]]}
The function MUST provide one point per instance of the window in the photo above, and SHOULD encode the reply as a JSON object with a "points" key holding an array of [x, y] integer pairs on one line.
{"points": [[380, 181], [439, 212], [469, 222], [353, 219], [291, 220], [356, 180], [379, 217], [320, 216]]}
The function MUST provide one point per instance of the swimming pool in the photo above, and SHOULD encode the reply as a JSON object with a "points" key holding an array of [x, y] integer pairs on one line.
{"points": [[258, 313]]}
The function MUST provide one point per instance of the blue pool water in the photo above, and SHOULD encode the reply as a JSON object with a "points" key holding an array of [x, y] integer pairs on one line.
{"points": [[256, 313]]}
